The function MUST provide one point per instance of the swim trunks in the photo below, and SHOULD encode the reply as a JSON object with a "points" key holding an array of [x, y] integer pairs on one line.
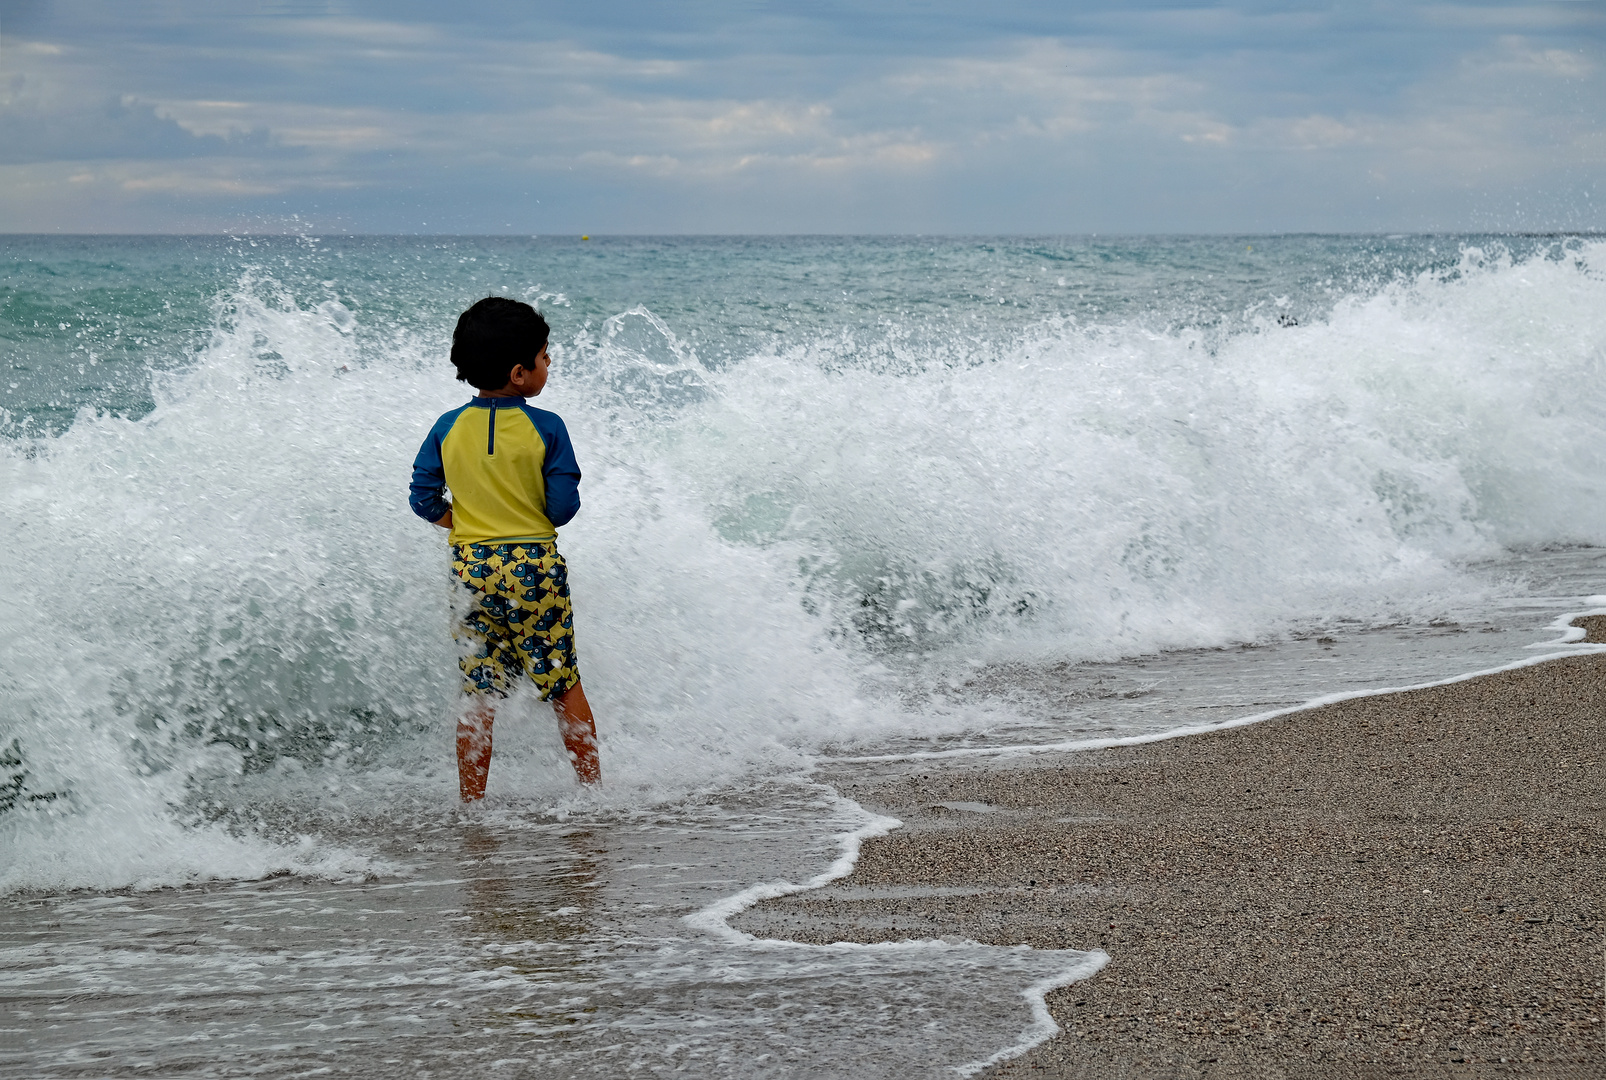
{"points": [[513, 617]]}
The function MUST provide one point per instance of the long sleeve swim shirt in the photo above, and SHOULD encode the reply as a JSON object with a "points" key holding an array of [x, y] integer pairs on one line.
{"points": [[510, 469]]}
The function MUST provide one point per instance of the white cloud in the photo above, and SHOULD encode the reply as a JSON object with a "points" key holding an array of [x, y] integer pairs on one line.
{"points": [[1321, 132], [674, 137], [1516, 56], [1045, 88], [189, 182], [375, 33], [294, 124], [588, 64]]}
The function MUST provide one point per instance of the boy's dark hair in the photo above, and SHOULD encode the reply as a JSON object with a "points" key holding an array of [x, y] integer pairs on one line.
{"points": [[492, 337]]}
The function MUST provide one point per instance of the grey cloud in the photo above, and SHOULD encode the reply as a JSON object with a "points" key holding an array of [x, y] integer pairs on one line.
{"points": [[117, 129]]}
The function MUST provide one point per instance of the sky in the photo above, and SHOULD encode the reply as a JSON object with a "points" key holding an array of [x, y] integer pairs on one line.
{"points": [[903, 116]]}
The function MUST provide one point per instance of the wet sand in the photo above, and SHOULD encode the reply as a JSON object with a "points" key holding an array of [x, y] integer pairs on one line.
{"points": [[1403, 885]]}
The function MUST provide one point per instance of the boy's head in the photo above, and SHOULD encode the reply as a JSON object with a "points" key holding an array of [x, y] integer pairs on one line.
{"points": [[494, 335]]}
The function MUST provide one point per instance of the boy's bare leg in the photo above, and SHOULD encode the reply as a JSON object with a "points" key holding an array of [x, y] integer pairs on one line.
{"points": [[579, 733], [474, 747]]}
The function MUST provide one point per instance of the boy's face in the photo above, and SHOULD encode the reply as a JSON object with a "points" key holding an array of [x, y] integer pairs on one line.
{"points": [[528, 380]]}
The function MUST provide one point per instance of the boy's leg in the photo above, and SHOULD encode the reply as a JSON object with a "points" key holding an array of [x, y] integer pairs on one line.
{"points": [[474, 747], [579, 734], [480, 608]]}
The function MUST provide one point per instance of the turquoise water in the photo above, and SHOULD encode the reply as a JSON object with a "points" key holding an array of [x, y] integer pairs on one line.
{"points": [[845, 498]]}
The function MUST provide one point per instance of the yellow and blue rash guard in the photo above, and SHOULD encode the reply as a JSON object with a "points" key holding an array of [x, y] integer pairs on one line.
{"points": [[510, 468]]}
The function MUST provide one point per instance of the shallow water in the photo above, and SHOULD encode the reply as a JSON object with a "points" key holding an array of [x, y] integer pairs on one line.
{"points": [[844, 499], [510, 940]]}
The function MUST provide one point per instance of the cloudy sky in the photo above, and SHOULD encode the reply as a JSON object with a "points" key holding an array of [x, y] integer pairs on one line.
{"points": [[934, 116]]}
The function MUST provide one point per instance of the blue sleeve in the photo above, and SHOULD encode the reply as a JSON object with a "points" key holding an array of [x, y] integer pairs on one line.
{"points": [[427, 494], [560, 471]]}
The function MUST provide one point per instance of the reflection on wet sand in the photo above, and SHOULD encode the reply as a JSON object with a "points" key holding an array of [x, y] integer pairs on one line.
{"points": [[525, 897], [526, 912]]}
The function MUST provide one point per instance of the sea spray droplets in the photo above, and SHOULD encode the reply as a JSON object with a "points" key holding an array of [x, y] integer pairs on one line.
{"points": [[225, 602]]}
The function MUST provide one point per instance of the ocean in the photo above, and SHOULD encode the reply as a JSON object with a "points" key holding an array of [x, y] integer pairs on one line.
{"points": [[846, 501]]}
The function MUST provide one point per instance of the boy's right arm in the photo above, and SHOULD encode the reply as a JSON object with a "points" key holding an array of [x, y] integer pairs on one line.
{"points": [[428, 489]]}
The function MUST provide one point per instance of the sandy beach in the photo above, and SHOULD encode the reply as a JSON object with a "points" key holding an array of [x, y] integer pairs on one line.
{"points": [[1401, 885]]}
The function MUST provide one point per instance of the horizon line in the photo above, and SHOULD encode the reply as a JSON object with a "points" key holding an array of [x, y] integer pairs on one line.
{"points": [[588, 237]]}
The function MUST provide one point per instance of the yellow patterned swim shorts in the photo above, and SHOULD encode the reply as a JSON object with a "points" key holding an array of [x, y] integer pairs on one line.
{"points": [[514, 617]]}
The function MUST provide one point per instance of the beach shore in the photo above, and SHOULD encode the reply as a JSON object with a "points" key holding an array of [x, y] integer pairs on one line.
{"points": [[1400, 885]]}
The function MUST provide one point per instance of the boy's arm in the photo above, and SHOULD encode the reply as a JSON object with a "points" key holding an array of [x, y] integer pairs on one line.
{"points": [[561, 474], [427, 491]]}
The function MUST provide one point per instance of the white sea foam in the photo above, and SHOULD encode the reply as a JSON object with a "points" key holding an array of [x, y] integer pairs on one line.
{"points": [[1099, 491], [769, 548]]}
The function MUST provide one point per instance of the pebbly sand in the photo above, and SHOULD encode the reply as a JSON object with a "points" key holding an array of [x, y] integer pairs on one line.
{"points": [[1404, 885]]}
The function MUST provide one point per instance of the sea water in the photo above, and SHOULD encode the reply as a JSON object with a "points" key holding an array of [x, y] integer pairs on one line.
{"points": [[844, 499]]}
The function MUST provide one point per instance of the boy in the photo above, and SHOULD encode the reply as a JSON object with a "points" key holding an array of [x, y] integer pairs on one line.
{"points": [[513, 480]]}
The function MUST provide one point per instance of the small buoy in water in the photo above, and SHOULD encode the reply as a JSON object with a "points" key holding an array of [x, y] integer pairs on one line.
{"points": [[584, 237]]}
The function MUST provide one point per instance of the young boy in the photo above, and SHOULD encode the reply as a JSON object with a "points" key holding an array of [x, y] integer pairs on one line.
{"points": [[513, 480]]}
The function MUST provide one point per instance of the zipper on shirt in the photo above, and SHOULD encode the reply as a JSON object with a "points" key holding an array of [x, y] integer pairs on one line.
{"points": [[490, 439]]}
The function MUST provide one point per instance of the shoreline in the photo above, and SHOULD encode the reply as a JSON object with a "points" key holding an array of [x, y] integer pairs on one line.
{"points": [[1401, 884]]}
